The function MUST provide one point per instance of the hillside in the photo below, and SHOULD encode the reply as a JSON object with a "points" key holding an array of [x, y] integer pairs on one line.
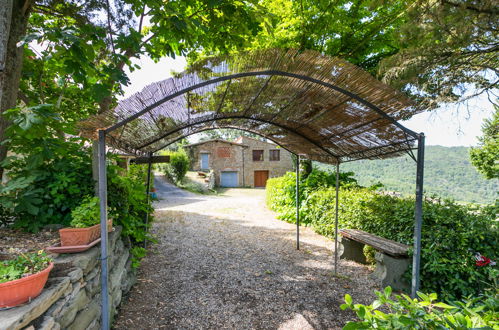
{"points": [[448, 173]]}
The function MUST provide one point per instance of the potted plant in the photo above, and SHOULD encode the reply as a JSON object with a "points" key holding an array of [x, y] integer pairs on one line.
{"points": [[23, 278], [85, 224]]}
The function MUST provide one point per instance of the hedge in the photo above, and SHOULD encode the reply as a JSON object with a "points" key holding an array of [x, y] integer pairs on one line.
{"points": [[452, 233]]}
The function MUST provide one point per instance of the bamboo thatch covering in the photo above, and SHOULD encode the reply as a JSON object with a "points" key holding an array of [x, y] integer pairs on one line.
{"points": [[321, 107]]}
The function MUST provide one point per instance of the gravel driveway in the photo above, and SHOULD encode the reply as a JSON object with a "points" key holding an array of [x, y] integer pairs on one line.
{"points": [[225, 262]]}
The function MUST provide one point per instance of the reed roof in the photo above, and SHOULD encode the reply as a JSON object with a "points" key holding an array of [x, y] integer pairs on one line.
{"points": [[323, 108]]}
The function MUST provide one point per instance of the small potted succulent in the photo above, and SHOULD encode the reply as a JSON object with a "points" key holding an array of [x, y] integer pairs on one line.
{"points": [[23, 278], [85, 224]]}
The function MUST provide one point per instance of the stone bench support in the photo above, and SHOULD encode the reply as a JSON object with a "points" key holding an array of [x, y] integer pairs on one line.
{"points": [[389, 269]]}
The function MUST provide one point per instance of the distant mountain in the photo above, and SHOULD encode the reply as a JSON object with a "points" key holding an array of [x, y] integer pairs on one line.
{"points": [[448, 173]]}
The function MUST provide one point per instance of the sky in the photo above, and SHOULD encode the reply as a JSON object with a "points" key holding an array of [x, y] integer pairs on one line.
{"points": [[448, 126]]}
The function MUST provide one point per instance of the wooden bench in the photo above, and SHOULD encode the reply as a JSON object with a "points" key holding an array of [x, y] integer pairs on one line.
{"points": [[392, 258], [202, 174]]}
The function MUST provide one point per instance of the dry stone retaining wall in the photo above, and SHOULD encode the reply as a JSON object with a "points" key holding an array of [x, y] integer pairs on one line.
{"points": [[71, 298]]}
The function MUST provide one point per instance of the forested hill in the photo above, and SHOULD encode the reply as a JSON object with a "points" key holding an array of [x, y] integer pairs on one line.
{"points": [[448, 173]]}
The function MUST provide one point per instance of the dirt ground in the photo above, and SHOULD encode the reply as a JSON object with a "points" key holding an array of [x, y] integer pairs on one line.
{"points": [[225, 262]]}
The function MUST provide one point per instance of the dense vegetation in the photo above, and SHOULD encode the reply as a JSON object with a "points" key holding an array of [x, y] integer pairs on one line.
{"points": [[176, 169], [485, 156], [448, 173], [452, 234], [51, 177], [425, 312]]}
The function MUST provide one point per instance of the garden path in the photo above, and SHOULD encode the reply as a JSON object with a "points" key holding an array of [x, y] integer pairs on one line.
{"points": [[225, 262]]}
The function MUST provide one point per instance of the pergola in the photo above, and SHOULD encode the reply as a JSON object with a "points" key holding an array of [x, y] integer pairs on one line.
{"points": [[321, 108]]}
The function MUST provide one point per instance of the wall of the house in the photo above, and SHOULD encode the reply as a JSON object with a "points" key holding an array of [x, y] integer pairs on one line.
{"points": [[275, 168], [235, 161], [218, 164]]}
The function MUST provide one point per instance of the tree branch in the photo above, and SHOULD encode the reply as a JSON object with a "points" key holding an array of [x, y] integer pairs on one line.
{"points": [[490, 11]]}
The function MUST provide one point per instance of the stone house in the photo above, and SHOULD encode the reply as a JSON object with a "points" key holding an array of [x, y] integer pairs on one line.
{"points": [[245, 162]]}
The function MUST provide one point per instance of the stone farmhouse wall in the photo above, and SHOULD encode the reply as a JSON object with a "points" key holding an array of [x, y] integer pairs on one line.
{"points": [[275, 168], [71, 297], [240, 159], [218, 164]]}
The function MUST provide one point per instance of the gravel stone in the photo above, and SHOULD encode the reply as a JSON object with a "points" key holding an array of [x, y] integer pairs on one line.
{"points": [[226, 262]]}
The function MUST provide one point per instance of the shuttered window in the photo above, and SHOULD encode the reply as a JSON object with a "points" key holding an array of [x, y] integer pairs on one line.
{"points": [[274, 155], [258, 155]]}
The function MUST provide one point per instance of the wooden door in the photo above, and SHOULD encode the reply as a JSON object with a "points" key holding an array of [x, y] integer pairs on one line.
{"points": [[261, 178]]}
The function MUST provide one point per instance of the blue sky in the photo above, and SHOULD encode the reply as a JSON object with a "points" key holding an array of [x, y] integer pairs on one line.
{"points": [[448, 126]]}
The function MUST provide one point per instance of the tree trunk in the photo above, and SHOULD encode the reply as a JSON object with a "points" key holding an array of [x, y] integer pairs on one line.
{"points": [[13, 24]]}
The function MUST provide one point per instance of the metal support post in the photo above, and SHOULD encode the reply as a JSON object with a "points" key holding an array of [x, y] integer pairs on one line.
{"points": [[103, 229], [148, 194], [336, 220], [297, 198], [418, 216]]}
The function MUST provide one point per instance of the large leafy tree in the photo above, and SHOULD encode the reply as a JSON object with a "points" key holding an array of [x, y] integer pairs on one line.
{"points": [[83, 48], [486, 156], [435, 50]]}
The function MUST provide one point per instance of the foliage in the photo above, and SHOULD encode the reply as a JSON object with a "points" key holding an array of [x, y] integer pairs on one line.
{"points": [[486, 157], [128, 200], [177, 167], [424, 312], [23, 265], [228, 134], [86, 214], [451, 234], [448, 173], [49, 171], [433, 50]]}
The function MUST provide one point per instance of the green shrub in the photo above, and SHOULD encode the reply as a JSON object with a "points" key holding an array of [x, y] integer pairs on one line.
{"points": [[86, 214], [129, 204], [23, 265], [49, 174], [178, 165], [451, 235], [425, 313]]}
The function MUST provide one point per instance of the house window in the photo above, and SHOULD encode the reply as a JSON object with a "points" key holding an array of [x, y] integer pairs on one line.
{"points": [[274, 155], [223, 152], [257, 155]]}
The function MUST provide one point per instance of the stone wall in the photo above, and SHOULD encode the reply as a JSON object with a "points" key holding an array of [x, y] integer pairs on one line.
{"points": [[216, 163], [275, 168], [71, 298], [240, 159]]}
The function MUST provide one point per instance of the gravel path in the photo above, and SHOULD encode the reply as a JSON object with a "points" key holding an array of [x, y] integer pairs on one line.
{"points": [[224, 262]]}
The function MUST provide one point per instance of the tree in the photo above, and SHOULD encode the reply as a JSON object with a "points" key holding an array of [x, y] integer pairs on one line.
{"points": [[89, 44], [13, 20], [486, 157], [434, 50], [227, 134]]}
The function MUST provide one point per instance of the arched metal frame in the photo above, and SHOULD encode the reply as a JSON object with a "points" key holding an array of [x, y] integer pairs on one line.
{"points": [[103, 181]]}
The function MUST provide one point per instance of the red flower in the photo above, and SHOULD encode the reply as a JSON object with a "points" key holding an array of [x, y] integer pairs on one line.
{"points": [[482, 261]]}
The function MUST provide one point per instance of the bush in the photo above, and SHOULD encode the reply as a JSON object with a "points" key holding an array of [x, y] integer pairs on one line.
{"points": [[178, 165], [86, 214], [425, 312], [23, 265], [451, 235], [51, 175]]}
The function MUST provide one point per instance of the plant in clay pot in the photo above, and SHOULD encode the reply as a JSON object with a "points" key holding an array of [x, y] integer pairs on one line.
{"points": [[23, 278], [85, 224]]}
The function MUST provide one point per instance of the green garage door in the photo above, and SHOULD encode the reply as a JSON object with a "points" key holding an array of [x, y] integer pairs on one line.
{"points": [[228, 179]]}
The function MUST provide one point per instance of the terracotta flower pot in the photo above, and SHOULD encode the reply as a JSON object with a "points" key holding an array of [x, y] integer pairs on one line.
{"points": [[19, 291], [82, 236], [79, 236]]}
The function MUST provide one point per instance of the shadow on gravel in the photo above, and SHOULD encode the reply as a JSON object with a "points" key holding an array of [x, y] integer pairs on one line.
{"points": [[209, 272]]}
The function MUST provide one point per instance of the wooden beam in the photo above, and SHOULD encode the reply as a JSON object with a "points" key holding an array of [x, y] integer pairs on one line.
{"points": [[154, 160]]}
